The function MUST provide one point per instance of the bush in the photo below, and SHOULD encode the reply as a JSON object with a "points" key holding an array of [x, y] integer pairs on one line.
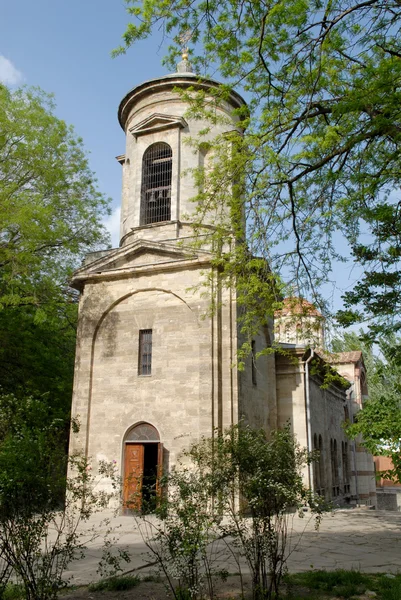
{"points": [[41, 509], [239, 485], [115, 584]]}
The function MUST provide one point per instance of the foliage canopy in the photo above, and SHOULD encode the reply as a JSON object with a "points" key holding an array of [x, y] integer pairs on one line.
{"points": [[322, 144], [50, 209], [379, 422], [50, 215]]}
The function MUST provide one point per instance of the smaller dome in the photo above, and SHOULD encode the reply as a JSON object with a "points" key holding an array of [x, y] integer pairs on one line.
{"points": [[297, 306], [299, 322]]}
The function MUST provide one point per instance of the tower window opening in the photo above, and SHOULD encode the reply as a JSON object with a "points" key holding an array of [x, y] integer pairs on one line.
{"points": [[145, 352], [156, 184]]}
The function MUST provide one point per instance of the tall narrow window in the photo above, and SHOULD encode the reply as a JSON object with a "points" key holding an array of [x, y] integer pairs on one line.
{"points": [[145, 352], [253, 357], [156, 184]]}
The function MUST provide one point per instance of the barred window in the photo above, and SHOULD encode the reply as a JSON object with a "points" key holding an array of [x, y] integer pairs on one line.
{"points": [[143, 432], [156, 184], [145, 352]]}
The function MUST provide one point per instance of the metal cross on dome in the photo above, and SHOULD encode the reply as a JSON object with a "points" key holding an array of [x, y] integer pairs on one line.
{"points": [[184, 38]]}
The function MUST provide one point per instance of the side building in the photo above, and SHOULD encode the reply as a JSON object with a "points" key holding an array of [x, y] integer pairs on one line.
{"points": [[318, 392]]}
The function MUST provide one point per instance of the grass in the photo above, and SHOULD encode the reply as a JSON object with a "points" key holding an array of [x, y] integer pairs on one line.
{"points": [[341, 584], [152, 577], [115, 584], [13, 591], [311, 585]]}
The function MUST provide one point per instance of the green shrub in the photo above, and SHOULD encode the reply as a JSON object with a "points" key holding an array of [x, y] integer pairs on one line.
{"points": [[389, 589], [115, 584], [344, 584], [13, 592]]}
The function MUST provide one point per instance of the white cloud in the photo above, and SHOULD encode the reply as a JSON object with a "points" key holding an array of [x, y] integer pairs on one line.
{"points": [[8, 73], [112, 224]]}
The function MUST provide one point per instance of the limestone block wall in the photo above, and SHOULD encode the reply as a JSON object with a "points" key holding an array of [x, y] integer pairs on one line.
{"points": [[365, 481], [290, 390], [192, 388], [354, 480], [290, 393], [327, 418], [304, 330], [335, 479], [365, 473], [257, 386]]}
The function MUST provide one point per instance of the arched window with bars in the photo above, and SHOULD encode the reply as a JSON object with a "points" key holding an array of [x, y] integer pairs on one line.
{"points": [[156, 184]]}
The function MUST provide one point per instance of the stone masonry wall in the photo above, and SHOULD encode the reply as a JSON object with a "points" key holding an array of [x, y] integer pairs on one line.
{"points": [[192, 388]]}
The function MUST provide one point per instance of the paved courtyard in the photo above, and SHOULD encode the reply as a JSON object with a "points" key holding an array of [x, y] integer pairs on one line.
{"points": [[360, 539]]}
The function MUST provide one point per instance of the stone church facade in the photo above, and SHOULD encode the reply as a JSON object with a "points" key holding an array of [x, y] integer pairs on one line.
{"points": [[153, 372]]}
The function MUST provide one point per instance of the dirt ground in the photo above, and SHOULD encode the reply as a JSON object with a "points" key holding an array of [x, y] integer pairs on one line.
{"points": [[146, 590], [156, 590]]}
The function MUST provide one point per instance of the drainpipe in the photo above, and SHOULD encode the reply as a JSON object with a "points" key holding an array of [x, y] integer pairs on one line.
{"points": [[351, 412], [308, 417], [356, 473]]}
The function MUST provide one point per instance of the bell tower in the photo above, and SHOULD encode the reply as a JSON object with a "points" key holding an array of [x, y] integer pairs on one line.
{"points": [[158, 186], [154, 370]]}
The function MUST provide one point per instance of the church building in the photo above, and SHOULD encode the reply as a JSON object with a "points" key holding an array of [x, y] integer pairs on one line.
{"points": [[154, 370]]}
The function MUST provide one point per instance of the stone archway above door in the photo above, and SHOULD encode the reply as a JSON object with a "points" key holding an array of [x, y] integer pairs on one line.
{"points": [[142, 432]]}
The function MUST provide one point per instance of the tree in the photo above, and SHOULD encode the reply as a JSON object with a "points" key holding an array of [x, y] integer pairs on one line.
{"points": [[322, 140], [50, 209], [379, 421], [41, 509], [50, 215], [38, 357]]}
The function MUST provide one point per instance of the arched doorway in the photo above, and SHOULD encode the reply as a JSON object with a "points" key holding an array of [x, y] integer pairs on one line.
{"points": [[143, 461]]}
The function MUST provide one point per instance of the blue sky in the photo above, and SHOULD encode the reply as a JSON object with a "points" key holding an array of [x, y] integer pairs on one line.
{"points": [[64, 46]]}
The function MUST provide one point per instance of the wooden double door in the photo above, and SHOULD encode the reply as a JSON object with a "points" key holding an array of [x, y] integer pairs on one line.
{"points": [[142, 472]]}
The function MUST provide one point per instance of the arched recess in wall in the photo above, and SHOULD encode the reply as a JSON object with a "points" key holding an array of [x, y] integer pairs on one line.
{"points": [[321, 466], [335, 469], [332, 467], [316, 470], [107, 313], [157, 168]]}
